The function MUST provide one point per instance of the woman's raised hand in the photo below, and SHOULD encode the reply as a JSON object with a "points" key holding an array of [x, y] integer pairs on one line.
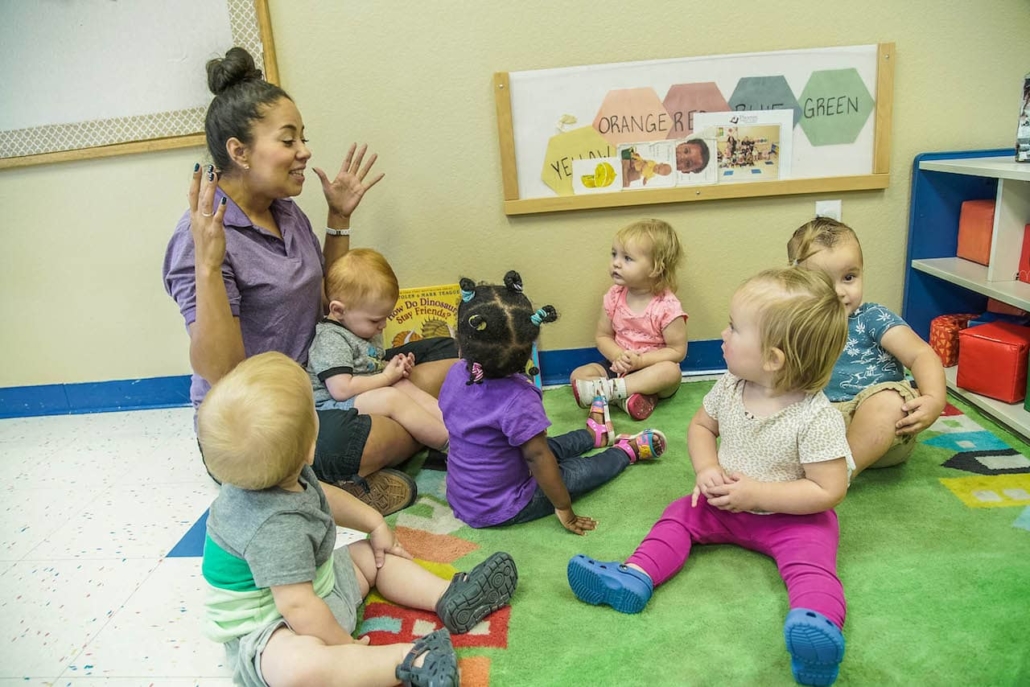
{"points": [[344, 193], [205, 219]]}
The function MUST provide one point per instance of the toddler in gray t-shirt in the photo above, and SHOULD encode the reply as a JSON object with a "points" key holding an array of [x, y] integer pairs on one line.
{"points": [[345, 361], [270, 559]]}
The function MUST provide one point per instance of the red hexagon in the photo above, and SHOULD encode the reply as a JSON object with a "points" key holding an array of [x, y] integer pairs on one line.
{"points": [[684, 99]]}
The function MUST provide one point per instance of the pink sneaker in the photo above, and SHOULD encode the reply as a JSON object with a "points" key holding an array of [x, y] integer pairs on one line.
{"points": [[640, 406]]}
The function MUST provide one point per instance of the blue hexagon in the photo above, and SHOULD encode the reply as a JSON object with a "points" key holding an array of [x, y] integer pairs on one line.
{"points": [[764, 93]]}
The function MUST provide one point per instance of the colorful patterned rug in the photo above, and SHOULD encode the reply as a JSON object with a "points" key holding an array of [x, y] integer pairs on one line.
{"points": [[904, 537]]}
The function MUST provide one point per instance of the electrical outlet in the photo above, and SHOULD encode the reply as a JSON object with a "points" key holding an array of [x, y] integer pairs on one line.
{"points": [[828, 208]]}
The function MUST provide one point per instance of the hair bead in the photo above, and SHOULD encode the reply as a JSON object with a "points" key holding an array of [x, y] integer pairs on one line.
{"points": [[475, 374], [513, 281], [468, 289]]}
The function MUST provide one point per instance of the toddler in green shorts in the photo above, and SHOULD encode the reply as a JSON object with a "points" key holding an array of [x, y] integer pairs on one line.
{"points": [[282, 598]]}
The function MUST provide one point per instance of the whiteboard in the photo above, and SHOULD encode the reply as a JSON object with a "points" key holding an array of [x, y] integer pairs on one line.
{"points": [[541, 98], [93, 73]]}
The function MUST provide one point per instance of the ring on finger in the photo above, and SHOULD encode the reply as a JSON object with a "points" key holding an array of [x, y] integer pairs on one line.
{"points": [[205, 214]]}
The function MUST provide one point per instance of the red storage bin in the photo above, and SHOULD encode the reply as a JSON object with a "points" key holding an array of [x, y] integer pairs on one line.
{"points": [[992, 360], [975, 226], [1024, 257], [944, 336]]}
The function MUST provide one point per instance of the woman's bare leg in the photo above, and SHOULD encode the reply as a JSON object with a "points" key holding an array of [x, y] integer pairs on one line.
{"points": [[429, 376], [388, 444], [393, 403]]}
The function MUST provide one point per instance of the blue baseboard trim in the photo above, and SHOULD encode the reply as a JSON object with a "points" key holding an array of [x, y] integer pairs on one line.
{"points": [[94, 397], [556, 366], [173, 392]]}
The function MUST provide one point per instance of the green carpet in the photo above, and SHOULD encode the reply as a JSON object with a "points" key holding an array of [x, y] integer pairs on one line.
{"points": [[938, 592]]}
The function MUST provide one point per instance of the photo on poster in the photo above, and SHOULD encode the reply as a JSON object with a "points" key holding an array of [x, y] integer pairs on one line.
{"points": [[746, 153], [783, 118], [696, 161], [596, 175], [1023, 126], [648, 165]]}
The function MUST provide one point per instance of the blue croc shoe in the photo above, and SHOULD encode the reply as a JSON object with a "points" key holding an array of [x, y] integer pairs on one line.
{"points": [[612, 583], [816, 647]]}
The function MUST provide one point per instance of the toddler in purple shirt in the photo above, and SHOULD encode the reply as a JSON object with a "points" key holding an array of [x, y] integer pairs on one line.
{"points": [[502, 468]]}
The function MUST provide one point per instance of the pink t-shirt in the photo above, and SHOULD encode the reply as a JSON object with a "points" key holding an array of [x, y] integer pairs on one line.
{"points": [[641, 332]]}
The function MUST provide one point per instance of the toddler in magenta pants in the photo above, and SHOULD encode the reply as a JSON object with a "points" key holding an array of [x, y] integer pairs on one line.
{"points": [[773, 481]]}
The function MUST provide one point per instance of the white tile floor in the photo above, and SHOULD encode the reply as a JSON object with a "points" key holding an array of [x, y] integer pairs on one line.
{"points": [[91, 506]]}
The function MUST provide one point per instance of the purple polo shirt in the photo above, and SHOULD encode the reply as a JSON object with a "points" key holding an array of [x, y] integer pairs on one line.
{"points": [[274, 284], [488, 480]]}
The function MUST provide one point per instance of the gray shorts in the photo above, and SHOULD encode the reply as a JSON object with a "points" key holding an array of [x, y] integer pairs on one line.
{"points": [[244, 653]]}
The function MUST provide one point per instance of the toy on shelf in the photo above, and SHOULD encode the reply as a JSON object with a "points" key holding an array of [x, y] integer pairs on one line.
{"points": [[944, 332], [975, 227], [992, 360]]}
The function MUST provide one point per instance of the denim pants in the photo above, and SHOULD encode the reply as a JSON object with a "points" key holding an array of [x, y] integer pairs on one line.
{"points": [[580, 474]]}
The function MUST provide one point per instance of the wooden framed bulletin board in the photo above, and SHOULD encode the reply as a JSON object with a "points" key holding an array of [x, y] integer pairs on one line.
{"points": [[95, 78], [557, 128]]}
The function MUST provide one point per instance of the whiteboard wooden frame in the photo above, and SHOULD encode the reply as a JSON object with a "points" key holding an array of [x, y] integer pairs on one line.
{"points": [[878, 179], [239, 10]]}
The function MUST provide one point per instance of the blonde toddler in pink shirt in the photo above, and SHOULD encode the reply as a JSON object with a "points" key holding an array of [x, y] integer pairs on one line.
{"points": [[642, 330]]}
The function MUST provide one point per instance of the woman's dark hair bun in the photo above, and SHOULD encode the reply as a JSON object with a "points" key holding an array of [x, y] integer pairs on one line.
{"points": [[236, 67]]}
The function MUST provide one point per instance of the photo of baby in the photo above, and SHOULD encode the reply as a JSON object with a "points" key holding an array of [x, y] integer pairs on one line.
{"points": [[695, 163], [647, 165]]}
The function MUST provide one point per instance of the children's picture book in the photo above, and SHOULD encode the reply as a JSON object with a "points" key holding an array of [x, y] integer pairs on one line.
{"points": [[705, 123], [648, 165], [422, 313], [596, 175], [697, 161]]}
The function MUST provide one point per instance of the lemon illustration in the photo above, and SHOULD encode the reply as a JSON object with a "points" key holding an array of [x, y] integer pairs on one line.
{"points": [[588, 181], [604, 175]]}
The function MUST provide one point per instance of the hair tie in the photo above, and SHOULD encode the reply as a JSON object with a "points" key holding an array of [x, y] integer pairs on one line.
{"points": [[466, 296], [475, 374], [539, 317], [513, 281], [477, 322]]}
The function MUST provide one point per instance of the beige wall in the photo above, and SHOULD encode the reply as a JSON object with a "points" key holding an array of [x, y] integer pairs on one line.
{"points": [[83, 242]]}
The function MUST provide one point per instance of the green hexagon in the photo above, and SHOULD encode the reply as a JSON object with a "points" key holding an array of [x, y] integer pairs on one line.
{"points": [[834, 106]]}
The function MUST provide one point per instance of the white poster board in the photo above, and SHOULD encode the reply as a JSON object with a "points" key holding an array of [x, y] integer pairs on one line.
{"points": [[93, 73], [545, 102]]}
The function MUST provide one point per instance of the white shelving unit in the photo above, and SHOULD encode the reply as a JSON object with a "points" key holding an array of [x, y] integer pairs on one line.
{"points": [[972, 276], [934, 223], [1009, 414]]}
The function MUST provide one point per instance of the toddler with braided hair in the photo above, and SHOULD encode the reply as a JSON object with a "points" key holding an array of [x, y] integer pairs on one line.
{"points": [[503, 469]]}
